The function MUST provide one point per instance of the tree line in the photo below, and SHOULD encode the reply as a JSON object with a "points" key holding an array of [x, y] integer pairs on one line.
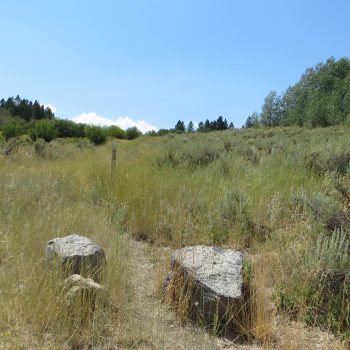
{"points": [[320, 98], [23, 117], [216, 125], [25, 109]]}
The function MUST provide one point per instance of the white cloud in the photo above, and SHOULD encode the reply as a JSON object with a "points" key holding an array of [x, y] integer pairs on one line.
{"points": [[51, 106], [123, 122]]}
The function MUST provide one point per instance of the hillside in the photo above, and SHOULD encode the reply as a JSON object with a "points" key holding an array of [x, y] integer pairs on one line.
{"points": [[280, 195]]}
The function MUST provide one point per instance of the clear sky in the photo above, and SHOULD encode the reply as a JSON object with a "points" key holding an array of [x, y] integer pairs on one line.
{"points": [[159, 61]]}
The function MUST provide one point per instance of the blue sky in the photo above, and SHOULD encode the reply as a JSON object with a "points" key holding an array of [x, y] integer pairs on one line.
{"points": [[153, 62]]}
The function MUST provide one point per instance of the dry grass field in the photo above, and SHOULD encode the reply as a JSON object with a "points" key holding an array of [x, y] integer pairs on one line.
{"points": [[282, 196]]}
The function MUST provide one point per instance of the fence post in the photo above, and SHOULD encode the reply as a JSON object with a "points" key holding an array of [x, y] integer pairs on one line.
{"points": [[114, 158]]}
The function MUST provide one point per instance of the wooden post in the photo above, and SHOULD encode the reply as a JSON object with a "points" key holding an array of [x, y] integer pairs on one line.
{"points": [[114, 158]]}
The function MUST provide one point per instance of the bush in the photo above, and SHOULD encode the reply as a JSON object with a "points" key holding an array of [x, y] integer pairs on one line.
{"points": [[83, 144], [338, 162], [133, 133], [12, 130], [170, 157], [347, 120], [116, 132], [321, 288], [234, 211], [200, 156], [218, 235], [44, 129], [320, 208], [96, 135], [250, 154], [39, 147], [67, 128]]}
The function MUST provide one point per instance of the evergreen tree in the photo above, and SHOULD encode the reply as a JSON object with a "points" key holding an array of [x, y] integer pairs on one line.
{"points": [[190, 127], [207, 125], [180, 127], [248, 123], [200, 126], [225, 124], [220, 124], [252, 121], [26, 110]]}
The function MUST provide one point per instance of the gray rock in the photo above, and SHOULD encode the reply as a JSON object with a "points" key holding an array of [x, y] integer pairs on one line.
{"points": [[79, 287], [83, 296], [217, 277], [76, 255]]}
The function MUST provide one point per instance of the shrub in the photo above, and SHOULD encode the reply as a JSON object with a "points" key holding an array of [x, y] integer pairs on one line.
{"points": [[189, 156], [39, 147], [84, 144], [116, 132], [96, 135], [219, 235], [319, 207], [170, 157], [228, 145], [44, 129], [11, 146], [338, 162], [133, 133], [250, 154], [200, 156], [234, 211], [328, 300], [347, 120], [321, 287], [25, 139], [12, 130], [67, 128]]}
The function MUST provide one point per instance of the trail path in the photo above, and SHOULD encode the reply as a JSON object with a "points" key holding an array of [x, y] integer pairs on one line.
{"points": [[152, 325], [155, 326]]}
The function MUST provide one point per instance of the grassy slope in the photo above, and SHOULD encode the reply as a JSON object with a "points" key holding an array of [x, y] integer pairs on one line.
{"points": [[188, 189]]}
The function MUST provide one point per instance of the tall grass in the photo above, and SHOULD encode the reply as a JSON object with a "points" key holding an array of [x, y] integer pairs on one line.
{"points": [[41, 199], [246, 193], [255, 190]]}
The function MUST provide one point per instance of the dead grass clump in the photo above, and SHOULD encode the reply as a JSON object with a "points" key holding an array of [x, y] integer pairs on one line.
{"points": [[11, 147], [262, 309]]}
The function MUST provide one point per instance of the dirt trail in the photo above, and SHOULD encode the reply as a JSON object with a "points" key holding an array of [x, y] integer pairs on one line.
{"points": [[152, 325], [155, 326]]}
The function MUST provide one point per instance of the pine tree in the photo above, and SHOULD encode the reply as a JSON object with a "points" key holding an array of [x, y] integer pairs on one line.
{"points": [[180, 127], [190, 127]]}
